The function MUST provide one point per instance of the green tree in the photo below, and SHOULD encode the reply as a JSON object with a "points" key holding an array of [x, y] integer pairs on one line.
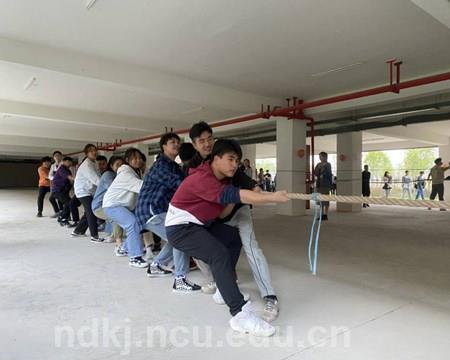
{"points": [[419, 159], [378, 162]]}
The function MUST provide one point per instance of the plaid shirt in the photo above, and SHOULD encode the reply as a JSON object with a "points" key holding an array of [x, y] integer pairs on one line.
{"points": [[159, 186]]}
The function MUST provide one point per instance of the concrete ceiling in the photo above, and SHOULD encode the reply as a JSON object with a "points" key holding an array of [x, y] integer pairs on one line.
{"points": [[125, 69]]}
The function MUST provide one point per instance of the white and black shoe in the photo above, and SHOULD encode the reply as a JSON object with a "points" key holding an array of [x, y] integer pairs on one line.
{"points": [[120, 252], [183, 285], [97, 240], [155, 270], [138, 262]]}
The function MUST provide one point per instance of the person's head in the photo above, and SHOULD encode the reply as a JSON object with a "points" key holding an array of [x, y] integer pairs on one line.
{"points": [[133, 157], [46, 161], [267, 171], [202, 138], [386, 173], [57, 156], [114, 163], [323, 156], [247, 163], [102, 163], [261, 170], [438, 161], [406, 172], [226, 155], [170, 145], [366, 167], [90, 150], [186, 152], [68, 162], [421, 173]]}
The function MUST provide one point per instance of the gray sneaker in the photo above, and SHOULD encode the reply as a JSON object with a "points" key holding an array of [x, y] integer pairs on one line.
{"points": [[270, 312]]}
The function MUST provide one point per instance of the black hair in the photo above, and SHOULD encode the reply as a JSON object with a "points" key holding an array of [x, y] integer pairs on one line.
{"points": [[166, 137], [144, 158], [225, 146], [57, 152], [101, 158], [438, 160], [324, 154], [186, 152], [112, 160], [87, 147], [132, 152], [68, 158], [198, 129], [46, 158]]}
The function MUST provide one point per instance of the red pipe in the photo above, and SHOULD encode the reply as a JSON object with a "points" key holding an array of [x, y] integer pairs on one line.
{"points": [[287, 112]]}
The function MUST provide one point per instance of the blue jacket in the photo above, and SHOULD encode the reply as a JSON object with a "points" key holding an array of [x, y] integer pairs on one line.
{"points": [[159, 186], [324, 175], [105, 182]]}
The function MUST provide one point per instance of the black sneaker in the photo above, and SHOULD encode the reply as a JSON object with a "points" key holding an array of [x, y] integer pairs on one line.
{"points": [[157, 271], [97, 239], [72, 224], [63, 222], [138, 262], [39, 214], [324, 217], [183, 285]]}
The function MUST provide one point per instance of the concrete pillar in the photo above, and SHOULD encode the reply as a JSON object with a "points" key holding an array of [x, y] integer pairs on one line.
{"points": [[348, 162], [291, 145], [249, 152], [444, 153]]}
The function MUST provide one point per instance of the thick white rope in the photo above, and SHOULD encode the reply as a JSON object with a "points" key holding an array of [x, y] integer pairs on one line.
{"points": [[371, 200]]}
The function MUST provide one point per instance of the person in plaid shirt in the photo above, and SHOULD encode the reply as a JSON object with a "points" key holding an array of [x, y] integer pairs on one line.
{"points": [[159, 186]]}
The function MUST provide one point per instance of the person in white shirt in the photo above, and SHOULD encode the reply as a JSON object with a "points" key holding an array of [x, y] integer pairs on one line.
{"points": [[120, 201], [406, 185], [57, 205], [85, 185]]}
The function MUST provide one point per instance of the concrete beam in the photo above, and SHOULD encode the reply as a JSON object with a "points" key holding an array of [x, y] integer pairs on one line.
{"points": [[411, 133], [153, 82]]}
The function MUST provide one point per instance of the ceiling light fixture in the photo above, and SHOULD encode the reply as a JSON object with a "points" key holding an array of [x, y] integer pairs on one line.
{"points": [[339, 69], [396, 114], [90, 3], [30, 83]]}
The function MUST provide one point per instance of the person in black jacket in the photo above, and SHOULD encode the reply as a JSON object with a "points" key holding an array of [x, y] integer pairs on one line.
{"points": [[366, 183]]}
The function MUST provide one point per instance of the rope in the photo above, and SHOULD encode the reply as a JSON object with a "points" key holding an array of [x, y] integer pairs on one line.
{"points": [[372, 200], [318, 198]]}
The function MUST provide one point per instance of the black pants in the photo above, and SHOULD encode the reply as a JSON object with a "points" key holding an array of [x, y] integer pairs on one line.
{"points": [[41, 196], [437, 189], [88, 219], [64, 198], [74, 205], [218, 245], [57, 206]]}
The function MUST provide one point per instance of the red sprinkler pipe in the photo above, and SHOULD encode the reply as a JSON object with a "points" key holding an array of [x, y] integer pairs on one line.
{"points": [[290, 110]]}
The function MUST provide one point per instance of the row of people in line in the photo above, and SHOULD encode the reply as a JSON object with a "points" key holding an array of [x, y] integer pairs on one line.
{"points": [[198, 209]]}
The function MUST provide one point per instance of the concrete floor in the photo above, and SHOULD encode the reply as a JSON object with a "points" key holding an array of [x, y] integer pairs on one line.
{"points": [[382, 292]]}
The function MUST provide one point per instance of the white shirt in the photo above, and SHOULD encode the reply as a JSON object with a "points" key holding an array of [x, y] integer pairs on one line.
{"points": [[406, 182], [87, 179], [124, 189], [53, 169]]}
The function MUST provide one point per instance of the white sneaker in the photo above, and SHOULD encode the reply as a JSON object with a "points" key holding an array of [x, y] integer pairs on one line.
{"points": [[218, 299], [209, 288], [248, 322]]}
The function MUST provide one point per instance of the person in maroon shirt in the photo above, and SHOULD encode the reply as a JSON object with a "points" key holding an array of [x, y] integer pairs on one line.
{"points": [[192, 227]]}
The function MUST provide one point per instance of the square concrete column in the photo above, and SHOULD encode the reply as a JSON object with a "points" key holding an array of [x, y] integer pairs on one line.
{"points": [[291, 160], [349, 152], [444, 153]]}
